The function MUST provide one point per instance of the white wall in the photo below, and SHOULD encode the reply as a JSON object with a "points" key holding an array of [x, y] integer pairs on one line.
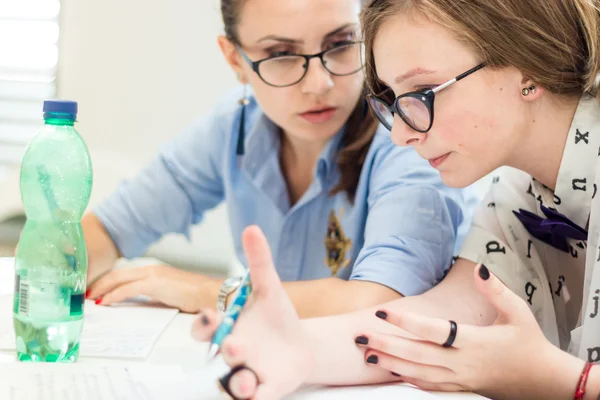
{"points": [[141, 71]]}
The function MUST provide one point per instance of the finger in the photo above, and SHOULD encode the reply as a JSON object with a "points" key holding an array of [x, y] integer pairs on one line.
{"points": [[205, 325], [510, 307], [243, 384], [435, 387], [417, 351], [115, 278], [263, 275], [267, 392], [240, 382], [434, 330], [234, 353], [408, 369], [124, 292]]}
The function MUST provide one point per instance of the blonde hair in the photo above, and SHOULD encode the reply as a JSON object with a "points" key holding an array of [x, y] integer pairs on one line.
{"points": [[555, 43]]}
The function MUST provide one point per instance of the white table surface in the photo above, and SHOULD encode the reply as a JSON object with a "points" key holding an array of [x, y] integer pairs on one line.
{"points": [[174, 347]]}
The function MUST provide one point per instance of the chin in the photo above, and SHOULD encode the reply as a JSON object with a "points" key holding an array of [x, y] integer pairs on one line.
{"points": [[319, 131], [455, 179]]}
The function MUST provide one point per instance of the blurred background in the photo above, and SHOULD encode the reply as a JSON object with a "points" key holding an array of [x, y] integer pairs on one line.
{"points": [[141, 71]]}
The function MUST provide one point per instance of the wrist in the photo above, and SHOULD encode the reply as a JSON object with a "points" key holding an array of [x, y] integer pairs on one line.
{"points": [[209, 292], [566, 376], [102, 252], [227, 288], [592, 391]]}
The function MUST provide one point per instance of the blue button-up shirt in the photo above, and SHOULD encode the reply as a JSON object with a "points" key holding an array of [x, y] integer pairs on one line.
{"points": [[401, 231]]}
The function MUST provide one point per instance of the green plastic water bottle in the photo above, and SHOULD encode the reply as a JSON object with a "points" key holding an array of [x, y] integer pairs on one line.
{"points": [[51, 260]]}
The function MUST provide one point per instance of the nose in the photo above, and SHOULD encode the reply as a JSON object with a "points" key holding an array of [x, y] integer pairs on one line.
{"points": [[404, 135], [317, 80]]}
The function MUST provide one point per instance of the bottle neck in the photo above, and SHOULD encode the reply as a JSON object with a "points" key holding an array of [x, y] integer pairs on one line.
{"points": [[59, 121]]}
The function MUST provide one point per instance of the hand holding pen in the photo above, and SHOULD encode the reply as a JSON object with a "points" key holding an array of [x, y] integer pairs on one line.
{"points": [[269, 352], [231, 315]]}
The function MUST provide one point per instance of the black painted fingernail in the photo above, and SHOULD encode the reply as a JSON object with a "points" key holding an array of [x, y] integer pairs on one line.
{"points": [[395, 374], [373, 359], [381, 314], [484, 273], [204, 320], [362, 340]]}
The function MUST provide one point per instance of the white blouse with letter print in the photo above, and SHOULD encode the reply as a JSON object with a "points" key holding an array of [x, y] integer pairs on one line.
{"points": [[557, 275]]}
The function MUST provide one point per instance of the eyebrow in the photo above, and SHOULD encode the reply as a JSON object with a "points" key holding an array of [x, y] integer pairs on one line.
{"points": [[296, 41], [412, 73]]}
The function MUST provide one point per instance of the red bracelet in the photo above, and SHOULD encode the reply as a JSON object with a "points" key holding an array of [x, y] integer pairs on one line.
{"points": [[583, 381]]}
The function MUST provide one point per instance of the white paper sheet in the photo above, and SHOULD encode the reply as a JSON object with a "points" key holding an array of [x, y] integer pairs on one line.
{"points": [[202, 384], [82, 381], [199, 384], [123, 331], [22, 381], [379, 392]]}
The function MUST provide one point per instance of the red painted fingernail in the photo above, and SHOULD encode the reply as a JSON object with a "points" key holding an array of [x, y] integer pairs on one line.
{"points": [[87, 294], [98, 301]]}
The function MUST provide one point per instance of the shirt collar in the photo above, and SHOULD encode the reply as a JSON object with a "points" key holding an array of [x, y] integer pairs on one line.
{"points": [[328, 157], [575, 183]]}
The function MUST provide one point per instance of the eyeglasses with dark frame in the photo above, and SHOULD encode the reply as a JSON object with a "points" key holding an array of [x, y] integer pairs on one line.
{"points": [[289, 69], [415, 108]]}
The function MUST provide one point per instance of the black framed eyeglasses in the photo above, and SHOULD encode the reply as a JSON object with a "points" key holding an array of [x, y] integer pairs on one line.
{"points": [[415, 108], [289, 69]]}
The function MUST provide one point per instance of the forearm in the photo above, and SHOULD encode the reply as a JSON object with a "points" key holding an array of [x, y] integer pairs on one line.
{"points": [[338, 361], [334, 296], [102, 251]]}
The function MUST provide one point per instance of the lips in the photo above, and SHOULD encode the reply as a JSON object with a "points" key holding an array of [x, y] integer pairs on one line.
{"points": [[438, 161], [319, 115]]}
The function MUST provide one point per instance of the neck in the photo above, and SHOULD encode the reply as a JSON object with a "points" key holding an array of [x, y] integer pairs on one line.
{"points": [[540, 149], [300, 154], [298, 159]]}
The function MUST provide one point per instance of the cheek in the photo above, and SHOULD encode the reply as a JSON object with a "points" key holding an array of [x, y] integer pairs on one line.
{"points": [[349, 88], [277, 103], [457, 130], [471, 131]]}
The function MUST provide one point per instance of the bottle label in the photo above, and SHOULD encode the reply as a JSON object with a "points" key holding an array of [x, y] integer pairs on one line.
{"points": [[42, 300], [23, 298]]}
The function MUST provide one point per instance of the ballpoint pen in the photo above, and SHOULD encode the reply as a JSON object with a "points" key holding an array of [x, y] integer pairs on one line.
{"points": [[231, 315]]}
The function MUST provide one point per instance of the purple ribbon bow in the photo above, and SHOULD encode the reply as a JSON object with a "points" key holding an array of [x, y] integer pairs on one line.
{"points": [[554, 230]]}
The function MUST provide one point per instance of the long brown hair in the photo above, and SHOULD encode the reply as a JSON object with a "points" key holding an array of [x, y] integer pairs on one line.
{"points": [[360, 127], [555, 43]]}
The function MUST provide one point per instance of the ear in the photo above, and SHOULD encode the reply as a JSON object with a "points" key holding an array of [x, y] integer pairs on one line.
{"points": [[534, 91], [232, 57]]}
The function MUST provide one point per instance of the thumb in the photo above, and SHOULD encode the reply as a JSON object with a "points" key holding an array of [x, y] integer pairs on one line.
{"points": [[510, 307], [263, 275]]}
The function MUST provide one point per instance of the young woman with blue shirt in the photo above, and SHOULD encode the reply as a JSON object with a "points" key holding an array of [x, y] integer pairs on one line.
{"points": [[352, 219]]}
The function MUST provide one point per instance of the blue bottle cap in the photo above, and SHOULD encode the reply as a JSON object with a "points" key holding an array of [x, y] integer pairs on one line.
{"points": [[64, 109]]}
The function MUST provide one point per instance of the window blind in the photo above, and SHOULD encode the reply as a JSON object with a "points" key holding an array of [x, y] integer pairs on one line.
{"points": [[29, 32]]}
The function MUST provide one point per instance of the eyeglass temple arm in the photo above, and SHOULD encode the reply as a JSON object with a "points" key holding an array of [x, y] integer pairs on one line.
{"points": [[458, 78], [245, 57]]}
